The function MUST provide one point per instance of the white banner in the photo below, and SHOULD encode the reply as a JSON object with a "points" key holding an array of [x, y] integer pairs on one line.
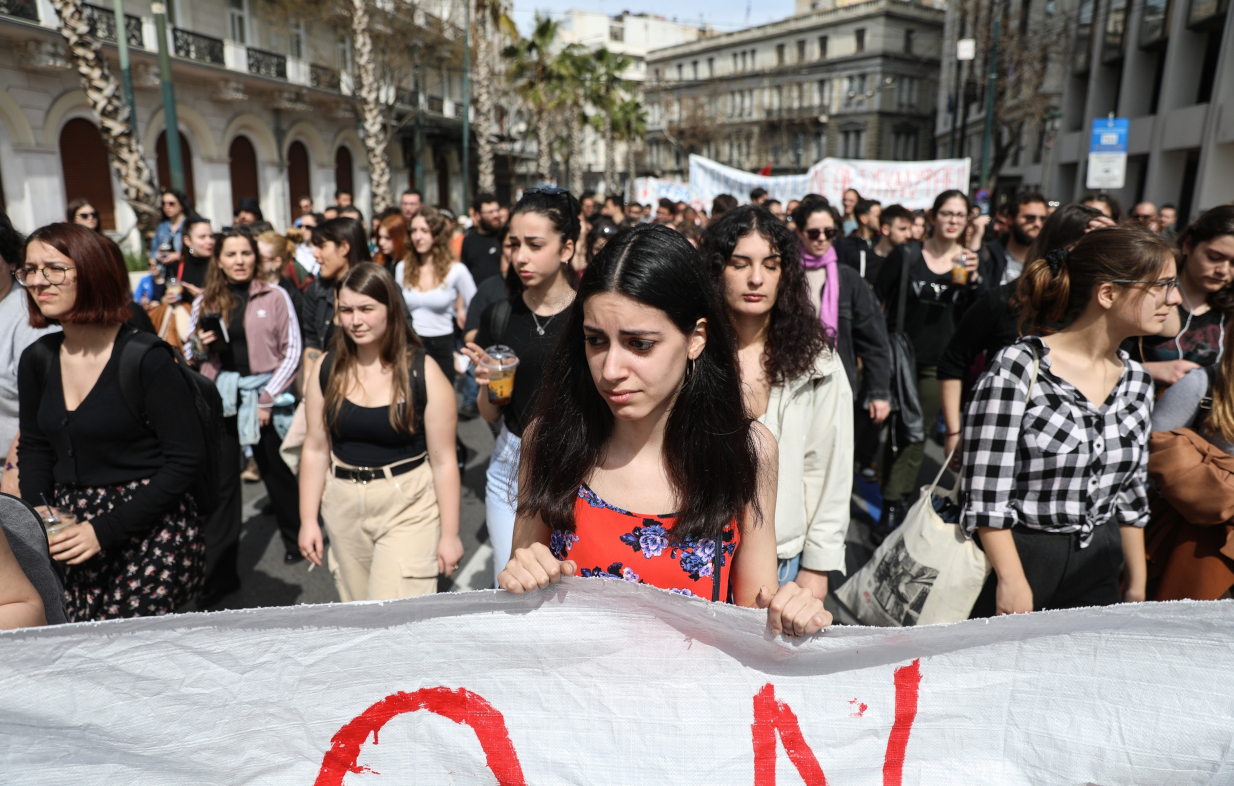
{"points": [[913, 184], [650, 190], [604, 682]]}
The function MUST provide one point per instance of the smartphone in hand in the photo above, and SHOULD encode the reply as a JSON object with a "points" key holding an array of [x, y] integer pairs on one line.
{"points": [[213, 323]]}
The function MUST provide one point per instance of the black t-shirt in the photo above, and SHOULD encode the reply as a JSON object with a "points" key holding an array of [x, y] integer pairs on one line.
{"points": [[191, 270], [489, 291], [989, 325], [234, 355], [532, 349], [482, 255], [1200, 340], [933, 306]]}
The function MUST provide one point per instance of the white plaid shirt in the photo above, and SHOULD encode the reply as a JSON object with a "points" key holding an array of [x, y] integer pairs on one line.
{"points": [[1060, 463]]}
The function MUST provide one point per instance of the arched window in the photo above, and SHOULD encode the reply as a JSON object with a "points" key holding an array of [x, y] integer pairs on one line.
{"points": [[87, 175], [298, 182], [343, 180], [186, 156], [242, 167]]}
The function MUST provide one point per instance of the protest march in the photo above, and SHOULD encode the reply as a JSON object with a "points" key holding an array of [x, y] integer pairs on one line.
{"points": [[839, 477]]}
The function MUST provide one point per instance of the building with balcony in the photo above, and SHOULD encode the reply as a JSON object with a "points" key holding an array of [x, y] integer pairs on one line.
{"points": [[264, 109], [851, 81]]}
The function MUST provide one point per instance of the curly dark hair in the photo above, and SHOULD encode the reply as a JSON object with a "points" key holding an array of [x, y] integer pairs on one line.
{"points": [[795, 337]]}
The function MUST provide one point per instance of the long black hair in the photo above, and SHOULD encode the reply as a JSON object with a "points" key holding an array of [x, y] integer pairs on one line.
{"points": [[795, 337], [562, 211], [338, 230], [1211, 225], [709, 450]]}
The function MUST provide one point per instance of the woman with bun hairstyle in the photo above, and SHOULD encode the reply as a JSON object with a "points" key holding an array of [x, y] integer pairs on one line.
{"points": [[1195, 335], [794, 383], [1056, 437], [542, 237], [641, 410]]}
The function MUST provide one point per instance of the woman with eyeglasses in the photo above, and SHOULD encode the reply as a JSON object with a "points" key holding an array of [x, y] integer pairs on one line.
{"points": [[169, 234], [936, 280], [543, 234], [1194, 338], [642, 410], [82, 213], [123, 468], [1056, 438]]}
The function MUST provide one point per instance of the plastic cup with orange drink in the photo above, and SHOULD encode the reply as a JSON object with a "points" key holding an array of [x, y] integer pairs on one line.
{"points": [[500, 362]]}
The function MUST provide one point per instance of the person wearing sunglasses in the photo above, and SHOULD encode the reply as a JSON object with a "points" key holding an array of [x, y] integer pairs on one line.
{"points": [[1008, 254], [935, 280], [1144, 214], [81, 212], [1056, 438], [168, 237]]}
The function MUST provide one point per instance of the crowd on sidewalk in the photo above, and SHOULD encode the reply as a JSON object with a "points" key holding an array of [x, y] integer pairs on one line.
{"points": [[744, 367]]}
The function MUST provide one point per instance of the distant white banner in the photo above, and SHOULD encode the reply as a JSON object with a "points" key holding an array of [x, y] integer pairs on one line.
{"points": [[649, 190], [604, 682], [913, 184]]}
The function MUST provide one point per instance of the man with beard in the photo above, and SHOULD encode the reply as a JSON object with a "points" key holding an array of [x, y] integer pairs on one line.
{"points": [[1007, 254], [482, 244]]}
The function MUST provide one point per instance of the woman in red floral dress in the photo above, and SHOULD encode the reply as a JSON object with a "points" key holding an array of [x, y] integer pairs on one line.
{"points": [[641, 410]]}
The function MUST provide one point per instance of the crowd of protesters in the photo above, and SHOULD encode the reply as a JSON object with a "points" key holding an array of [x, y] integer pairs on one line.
{"points": [[745, 366]]}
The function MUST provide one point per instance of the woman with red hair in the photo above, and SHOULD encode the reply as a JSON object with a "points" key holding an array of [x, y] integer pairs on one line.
{"points": [[122, 468], [391, 237]]}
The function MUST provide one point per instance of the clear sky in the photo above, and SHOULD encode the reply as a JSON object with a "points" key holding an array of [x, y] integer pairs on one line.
{"points": [[723, 15]]}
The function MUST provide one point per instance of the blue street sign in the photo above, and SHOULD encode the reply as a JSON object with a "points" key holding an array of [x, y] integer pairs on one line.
{"points": [[1109, 135]]}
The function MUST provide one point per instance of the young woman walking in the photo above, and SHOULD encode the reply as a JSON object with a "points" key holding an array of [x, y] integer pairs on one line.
{"points": [[244, 335], [1056, 438], [437, 289], [391, 240], [642, 410], [1195, 335], [941, 281], [338, 245], [793, 383], [542, 238], [377, 410], [168, 237], [123, 468]]}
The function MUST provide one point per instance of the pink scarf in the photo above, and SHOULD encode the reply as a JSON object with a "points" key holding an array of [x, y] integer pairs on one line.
{"points": [[829, 307]]}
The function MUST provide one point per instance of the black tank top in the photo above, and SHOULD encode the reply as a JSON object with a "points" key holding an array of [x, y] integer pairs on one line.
{"points": [[363, 436]]}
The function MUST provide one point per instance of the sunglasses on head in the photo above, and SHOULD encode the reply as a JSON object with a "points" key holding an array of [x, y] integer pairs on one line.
{"points": [[828, 233], [547, 191]]}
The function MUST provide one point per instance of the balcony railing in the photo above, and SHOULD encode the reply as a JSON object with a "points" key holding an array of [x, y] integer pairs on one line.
{"points": [[103, 20], [195, 46], [324, 78], [267, 64], [25, 9]]}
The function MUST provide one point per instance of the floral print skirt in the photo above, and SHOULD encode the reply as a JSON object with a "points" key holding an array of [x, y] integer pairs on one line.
{"points": [[149, 575]]}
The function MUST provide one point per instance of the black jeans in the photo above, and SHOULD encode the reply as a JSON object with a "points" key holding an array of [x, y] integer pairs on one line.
{"points": [[441, 349], [281, 485], [222, 530], [1061, 574]]}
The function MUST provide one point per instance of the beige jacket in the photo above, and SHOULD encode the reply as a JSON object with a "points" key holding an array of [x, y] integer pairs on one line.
{"points": [[812, 420]]}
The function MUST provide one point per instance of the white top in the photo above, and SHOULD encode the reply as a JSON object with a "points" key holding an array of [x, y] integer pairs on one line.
{"points": [[15, 335], [432, 312], [812, 421]]}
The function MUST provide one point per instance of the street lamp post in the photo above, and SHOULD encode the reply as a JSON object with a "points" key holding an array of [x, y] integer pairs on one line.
{"points": [[126, 72], [174, 162], [987, 136], [466, 102]]}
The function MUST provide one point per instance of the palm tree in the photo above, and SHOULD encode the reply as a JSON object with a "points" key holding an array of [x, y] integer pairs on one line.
{"points": [[630, 126], [106, 99], [532, 73], [575, 70], [607, 87], [373, 111], [491, 23]]}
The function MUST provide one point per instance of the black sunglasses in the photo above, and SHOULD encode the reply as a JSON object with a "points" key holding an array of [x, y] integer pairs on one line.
{"points": [[547, 191], [828, 233], [87, 215]]}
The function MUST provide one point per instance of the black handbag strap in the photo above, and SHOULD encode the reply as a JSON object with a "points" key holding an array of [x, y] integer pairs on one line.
{"points": [[716, 560], [902, 302]]}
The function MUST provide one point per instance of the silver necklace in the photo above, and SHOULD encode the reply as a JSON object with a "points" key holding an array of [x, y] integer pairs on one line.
{"points": [[539, 328]]}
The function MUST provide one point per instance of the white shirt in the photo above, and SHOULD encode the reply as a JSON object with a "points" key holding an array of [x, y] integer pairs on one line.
{"points": [[15, 335], [432, 312]]}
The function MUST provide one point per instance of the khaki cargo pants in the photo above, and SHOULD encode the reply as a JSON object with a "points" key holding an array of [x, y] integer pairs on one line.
{"points": [[383, 534]]}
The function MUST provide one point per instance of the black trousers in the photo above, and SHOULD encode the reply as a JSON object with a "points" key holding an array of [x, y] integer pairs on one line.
{"points": [[441, 349], [281, 485], [1061, 574], [222, 531]]}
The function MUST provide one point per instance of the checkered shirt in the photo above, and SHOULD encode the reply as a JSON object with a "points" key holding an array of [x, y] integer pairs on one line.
{"points": [[1058, 463]]}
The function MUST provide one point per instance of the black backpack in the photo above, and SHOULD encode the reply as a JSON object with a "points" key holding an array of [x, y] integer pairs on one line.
{"points": [[207, 406]]}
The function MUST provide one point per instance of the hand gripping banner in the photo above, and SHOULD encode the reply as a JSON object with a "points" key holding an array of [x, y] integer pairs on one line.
{"points": [[604, 682]]}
